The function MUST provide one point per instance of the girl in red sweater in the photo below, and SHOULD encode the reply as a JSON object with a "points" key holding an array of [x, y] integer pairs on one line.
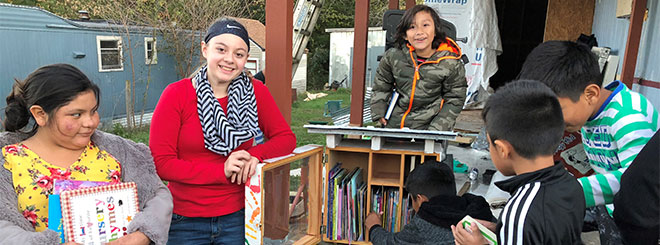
{"points": [[202, 135]]}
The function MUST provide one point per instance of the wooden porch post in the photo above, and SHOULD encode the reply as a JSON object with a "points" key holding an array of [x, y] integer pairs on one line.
{"points": [[359, 61], [279, 50], [393, 4], [279, 35], [410, 4], [632, 43]]}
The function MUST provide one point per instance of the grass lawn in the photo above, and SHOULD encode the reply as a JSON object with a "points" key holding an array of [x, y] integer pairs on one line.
{"points": [[304, 111], [140, 135]]}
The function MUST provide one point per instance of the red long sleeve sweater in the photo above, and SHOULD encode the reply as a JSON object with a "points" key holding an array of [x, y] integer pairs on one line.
{"points": [[196, 175]]}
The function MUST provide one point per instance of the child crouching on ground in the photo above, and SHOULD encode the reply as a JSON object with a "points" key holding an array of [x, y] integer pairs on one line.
{"points": [[436, 206]]}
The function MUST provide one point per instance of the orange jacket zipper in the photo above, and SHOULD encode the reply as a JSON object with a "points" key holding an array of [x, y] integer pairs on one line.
{"points": [[416, 75]]}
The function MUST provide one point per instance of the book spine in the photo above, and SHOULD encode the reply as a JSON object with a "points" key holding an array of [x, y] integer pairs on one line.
{"points": [[334, 207], [55, 216], [330, 207], [339, 212]]}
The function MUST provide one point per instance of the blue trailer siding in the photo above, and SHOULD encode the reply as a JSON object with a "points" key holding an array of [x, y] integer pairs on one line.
{"points": [[19, 17], [30, 38]]}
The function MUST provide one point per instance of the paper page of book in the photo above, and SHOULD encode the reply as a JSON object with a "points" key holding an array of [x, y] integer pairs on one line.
{"points": [[98, 215]]}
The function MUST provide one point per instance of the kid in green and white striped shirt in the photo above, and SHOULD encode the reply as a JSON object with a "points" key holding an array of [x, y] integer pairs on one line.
{"points": [[615, 122], [612, 138]]}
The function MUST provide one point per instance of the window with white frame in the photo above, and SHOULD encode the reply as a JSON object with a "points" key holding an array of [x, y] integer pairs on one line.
{"points": [[109, 53], [150, 51], [252, 66]]}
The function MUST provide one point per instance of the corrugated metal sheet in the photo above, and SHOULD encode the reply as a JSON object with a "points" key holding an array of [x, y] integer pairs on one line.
{"points": [[612, 32], [649, 51], [342, 116], [609, 30], [27, 42]]}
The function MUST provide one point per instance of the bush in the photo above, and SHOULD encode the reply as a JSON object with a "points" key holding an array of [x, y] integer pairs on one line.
{"points": [[317, 69]]}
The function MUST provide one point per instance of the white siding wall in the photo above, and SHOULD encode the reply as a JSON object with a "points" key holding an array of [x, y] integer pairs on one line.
{"points": [[256, 53], [300, 78], [341, 43]]}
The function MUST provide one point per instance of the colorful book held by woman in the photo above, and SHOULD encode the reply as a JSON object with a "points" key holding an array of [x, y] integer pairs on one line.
{"points": [[54, 207], [98, 214]]}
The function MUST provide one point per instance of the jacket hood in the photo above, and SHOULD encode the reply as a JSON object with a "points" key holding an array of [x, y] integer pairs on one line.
{"points": [[445, 211], [453, 50]]}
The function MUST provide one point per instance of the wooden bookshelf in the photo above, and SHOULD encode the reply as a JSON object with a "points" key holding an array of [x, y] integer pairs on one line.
{"points": [[385, 159], [385, 182], [313, 155], [381, 168]]}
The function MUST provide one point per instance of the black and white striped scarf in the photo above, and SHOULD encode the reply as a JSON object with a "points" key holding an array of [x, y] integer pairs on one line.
{"points": [[222, 134]]}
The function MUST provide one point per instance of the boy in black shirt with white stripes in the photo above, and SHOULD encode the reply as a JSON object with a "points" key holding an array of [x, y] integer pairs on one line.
{"points": [[525, 124]]}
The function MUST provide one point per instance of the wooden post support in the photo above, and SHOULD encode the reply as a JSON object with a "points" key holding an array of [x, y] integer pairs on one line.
{"points": [[332, 140], [393, 4], [279, 35], [359, 61], [632, 43], [439, 148], [314, 196], [377, 143], [429, 146], [410, 4]]}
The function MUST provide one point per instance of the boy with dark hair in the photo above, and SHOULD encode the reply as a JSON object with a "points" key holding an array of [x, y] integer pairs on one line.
{"points": [[524, 125], [436, 205], [615, 122]]}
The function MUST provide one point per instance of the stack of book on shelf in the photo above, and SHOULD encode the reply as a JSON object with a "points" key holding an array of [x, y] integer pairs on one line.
{"points": [[407, 211], [346, 204], [385, 200]]}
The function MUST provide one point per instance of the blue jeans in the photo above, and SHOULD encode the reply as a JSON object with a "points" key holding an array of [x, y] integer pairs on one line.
{"points": [[226, 229]]}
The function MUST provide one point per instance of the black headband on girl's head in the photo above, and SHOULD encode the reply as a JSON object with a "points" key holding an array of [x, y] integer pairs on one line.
{"points": [[227, 26]]}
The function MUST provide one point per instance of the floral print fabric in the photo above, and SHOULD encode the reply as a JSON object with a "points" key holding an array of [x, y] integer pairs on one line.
{"points": [[33, 177]]}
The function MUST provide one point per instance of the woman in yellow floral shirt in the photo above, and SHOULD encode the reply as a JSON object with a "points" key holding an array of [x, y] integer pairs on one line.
{"points": [[51, 119], [34, 177]]}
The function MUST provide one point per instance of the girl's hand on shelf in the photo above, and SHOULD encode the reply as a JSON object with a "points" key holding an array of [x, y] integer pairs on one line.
{"points": [[235, 163], [248, 169]]}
